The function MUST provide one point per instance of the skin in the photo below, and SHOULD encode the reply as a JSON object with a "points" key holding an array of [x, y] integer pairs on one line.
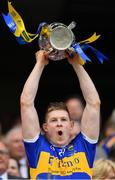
{"points": [[58, 120], [15, 145], [29, 116], [4, 158], [90, 121], [111, 175], [109, 131], [75, 110], [13, 168]]}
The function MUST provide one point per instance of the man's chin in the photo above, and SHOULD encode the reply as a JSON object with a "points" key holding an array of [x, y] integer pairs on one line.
{"points": [[61, 143], [58, 141]]}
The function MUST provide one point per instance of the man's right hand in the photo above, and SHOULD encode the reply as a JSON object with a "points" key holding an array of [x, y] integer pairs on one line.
{"points": [[42, 57]]}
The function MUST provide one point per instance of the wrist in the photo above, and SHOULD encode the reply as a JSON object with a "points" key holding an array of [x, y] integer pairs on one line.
{"points": [[75, 63], [40, 64]]}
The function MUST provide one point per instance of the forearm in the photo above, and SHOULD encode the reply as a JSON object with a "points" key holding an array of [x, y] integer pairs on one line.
{"points": [[31, 85], [88, 89], [90, 121], [29, 116]]}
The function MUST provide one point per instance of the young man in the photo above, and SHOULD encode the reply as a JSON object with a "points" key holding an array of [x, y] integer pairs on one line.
{"points": [[51, 156]]}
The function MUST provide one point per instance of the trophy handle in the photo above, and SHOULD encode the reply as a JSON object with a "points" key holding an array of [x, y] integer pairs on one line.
{"points": [[50, 50], [72, 25]]}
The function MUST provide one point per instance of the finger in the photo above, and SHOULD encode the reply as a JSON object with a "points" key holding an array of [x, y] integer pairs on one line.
{"points": [[46, 54], [70, 54]]}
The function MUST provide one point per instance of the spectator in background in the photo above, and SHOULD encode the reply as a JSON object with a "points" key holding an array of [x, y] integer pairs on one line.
{"points": [[112, 153], [112, 116], [104, 169], [13, 169], [108, 143], [109, 134], [75, 105], [100, 153], [109, 129], [15, 145], [4, 161]]}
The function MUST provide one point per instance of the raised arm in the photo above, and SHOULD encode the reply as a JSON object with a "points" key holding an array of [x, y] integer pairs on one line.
{"points": [[29, 117], [90, 122]]}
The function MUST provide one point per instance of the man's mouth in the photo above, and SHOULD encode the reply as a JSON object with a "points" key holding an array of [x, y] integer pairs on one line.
{"points": [[60, 133]]}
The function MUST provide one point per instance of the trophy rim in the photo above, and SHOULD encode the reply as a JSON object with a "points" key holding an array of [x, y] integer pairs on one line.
{"points": [[71, 40]]}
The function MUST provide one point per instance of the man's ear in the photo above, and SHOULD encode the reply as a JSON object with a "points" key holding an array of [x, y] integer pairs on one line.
{"points": [[45, 127]]}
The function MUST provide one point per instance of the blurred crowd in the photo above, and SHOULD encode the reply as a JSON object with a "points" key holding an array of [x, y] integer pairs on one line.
{"points": [[13, 162]]}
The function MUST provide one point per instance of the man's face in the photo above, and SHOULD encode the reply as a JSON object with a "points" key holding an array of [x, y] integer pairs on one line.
{"points": [[58, 127], [13, 167], [15, 145], [75, 109], [4, 158]]}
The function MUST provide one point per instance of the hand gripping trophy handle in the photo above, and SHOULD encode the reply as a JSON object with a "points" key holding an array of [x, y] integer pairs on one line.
{"points": [[56, 38]]}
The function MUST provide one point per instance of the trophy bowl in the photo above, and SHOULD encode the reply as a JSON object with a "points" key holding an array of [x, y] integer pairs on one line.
{"points": [[58, 39]]}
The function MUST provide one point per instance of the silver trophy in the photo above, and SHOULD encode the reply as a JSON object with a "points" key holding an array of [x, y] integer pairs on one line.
{"points": [[56, 38]]}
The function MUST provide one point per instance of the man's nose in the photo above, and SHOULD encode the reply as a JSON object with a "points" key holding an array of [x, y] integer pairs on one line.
{"points": [[59, 123]]}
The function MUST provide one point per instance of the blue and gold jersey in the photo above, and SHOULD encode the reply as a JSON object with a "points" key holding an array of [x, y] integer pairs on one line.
{"points": [[74, 161]]}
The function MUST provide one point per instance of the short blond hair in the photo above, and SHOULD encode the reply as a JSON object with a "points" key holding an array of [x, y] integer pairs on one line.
{"points": [[102, 168], [55, 106]]}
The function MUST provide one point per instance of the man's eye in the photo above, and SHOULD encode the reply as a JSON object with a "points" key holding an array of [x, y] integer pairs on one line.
{"points": [[53, 120], [64, 119]]}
